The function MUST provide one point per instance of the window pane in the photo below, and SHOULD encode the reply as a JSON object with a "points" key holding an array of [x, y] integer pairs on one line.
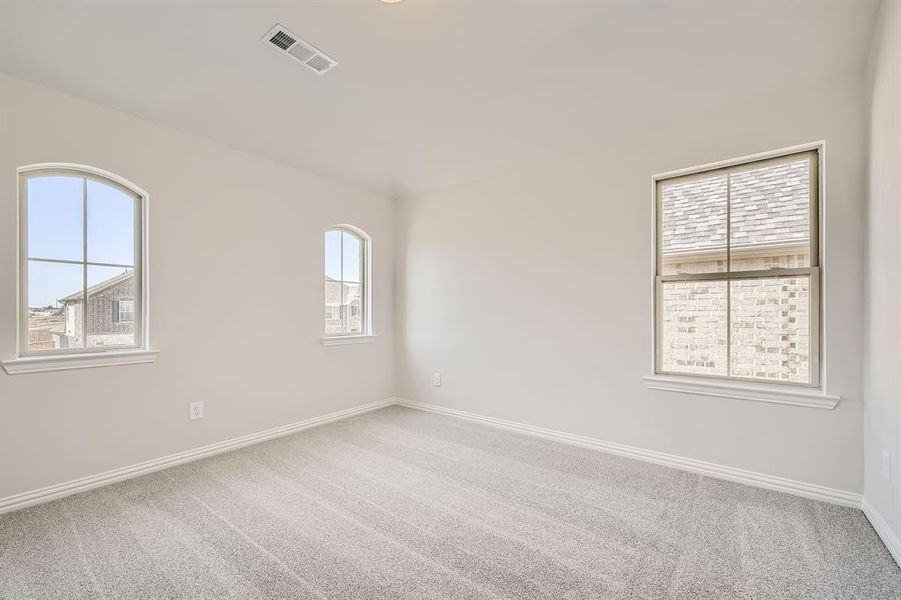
{"points": [[111, 225], [54, 305], [770, 219], [771, 328], [693, 327], [352, 257], [106, 287], [352, 308], [333, 320], [333, 254], [55, 217], [693, 221]]}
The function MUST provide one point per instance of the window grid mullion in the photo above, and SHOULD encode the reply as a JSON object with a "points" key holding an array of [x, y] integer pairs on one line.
{"points": [[84, 258], [729, 270], [89, 263], [114, 265], [738, 275], [342, 312]]}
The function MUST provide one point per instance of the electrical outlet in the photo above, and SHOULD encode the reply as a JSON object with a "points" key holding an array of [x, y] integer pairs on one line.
{"points": [[195, 411], [887, 465], [436, 379]]}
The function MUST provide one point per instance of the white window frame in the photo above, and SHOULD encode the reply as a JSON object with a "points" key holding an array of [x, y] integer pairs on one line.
{"points": [[366, 335], [30, 361], [783, 392]]}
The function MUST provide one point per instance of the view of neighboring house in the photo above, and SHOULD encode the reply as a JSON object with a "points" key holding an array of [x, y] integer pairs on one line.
{"points": [[768, 227], [110, 317], [342, 307]]}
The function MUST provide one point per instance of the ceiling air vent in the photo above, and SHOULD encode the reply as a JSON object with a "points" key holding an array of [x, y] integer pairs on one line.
{"points": [[289, 43]]}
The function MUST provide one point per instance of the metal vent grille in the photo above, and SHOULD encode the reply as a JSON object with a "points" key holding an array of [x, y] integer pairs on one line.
{"points": [[290, 44], [319, 63], [282, 40], [302, 53]]}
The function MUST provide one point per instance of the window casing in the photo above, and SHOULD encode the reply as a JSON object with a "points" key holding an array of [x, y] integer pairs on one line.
{"points": [[82, 237], [346, 285], [737, 271]]}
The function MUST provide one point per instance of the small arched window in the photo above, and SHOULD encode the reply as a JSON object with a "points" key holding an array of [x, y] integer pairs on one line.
{"points": [[82, 273], [347, 309]]}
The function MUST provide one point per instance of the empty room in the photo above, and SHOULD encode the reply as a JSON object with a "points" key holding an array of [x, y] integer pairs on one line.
{"points": [[450, 299]]}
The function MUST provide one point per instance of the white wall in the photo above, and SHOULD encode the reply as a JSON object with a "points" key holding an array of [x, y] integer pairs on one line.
{"points": [[883, 327], [236, 267], [530, 290]]}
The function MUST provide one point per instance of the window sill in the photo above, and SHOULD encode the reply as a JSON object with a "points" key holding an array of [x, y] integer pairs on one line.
{"points": [[345, 340], [757, 392], [88, 360]]}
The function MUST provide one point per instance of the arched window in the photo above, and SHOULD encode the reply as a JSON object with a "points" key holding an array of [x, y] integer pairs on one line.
{"points": [[347, 310], [82, 281]]}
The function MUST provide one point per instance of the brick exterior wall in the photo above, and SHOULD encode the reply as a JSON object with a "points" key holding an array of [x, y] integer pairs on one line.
{"points": [[103, 329], [693, 327], [789, 257], [770, 328], [100, 309]]}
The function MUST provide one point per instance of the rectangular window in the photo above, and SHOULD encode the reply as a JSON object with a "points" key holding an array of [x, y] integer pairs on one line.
{"points": [[737, 271], [124, 311], [81, 272]]}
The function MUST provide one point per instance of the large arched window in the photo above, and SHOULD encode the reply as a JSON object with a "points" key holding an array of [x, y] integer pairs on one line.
{"points": [[81, 274], [347, 310]]}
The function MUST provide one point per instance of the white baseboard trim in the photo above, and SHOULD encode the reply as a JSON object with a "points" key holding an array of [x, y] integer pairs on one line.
{"points": [[53, 492], [761, 480], [798, 488], [889, 538]]}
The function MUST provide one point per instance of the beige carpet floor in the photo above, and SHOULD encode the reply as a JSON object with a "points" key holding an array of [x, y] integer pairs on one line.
{"points": [[403, 504]]}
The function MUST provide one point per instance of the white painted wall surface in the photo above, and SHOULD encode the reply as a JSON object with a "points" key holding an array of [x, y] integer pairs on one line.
{"points": [[530, 290], [883, 326], [236, 283]]}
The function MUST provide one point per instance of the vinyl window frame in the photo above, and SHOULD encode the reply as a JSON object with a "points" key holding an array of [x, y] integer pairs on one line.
{"points": [[814, 152], [141, 248]]}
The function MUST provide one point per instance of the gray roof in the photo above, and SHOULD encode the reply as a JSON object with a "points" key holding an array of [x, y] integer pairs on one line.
{"points": [[770, 205], [99, 287]]}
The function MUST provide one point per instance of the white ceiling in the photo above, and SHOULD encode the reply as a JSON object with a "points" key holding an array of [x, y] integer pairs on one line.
{"points": [[426, 94]]}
